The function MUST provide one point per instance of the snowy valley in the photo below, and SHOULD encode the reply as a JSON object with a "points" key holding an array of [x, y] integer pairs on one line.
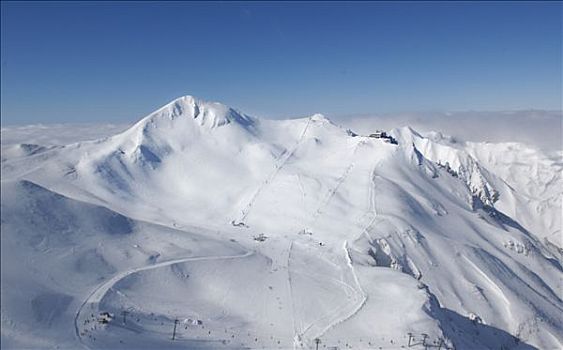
{"points": [[202, 227]]}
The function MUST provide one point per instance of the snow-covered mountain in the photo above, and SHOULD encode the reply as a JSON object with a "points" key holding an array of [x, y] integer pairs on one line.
{"points": [[275, 233]]}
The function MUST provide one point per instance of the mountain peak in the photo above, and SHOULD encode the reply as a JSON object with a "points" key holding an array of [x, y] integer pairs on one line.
{"points": [[186, 99], [207, 114], [317, 117]]}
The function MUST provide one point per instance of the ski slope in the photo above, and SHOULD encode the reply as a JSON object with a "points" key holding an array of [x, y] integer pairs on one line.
{"points": [[273, 234]]}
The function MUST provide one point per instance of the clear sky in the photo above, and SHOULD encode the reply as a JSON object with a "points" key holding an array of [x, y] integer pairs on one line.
{"points": [[117, 61]]}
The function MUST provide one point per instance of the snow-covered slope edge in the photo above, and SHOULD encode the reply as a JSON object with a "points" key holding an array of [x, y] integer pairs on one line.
{"points": [[55, 250], [529, 180]]}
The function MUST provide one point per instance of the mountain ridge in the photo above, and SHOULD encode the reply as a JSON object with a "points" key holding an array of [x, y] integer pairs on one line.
{"points": [[326, 217]]}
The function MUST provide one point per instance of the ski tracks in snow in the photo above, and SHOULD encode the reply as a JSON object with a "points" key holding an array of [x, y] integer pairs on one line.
{"points": [[98, 293], [347, 311], [330, 194], [317, 328], [281, 161], [371, 215], [344, 312]]}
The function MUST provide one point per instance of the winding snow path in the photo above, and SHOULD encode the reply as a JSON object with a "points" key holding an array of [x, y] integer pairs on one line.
{"points": [[359, 297], [98, 293]]}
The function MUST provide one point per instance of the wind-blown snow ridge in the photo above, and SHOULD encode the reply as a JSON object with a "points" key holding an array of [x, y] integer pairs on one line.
{"points": [[457, 162], [181, 120], [207, 114], [499, 175]]}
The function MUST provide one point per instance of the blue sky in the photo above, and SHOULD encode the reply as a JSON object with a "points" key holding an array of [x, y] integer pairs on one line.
{"points": [[117, 61]]}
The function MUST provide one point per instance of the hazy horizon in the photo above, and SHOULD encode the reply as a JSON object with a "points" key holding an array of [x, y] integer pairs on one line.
{"points": [[115, 62]]}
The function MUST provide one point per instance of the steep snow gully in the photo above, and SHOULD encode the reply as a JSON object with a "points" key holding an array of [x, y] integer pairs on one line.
{"points": [[201, 227]]}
